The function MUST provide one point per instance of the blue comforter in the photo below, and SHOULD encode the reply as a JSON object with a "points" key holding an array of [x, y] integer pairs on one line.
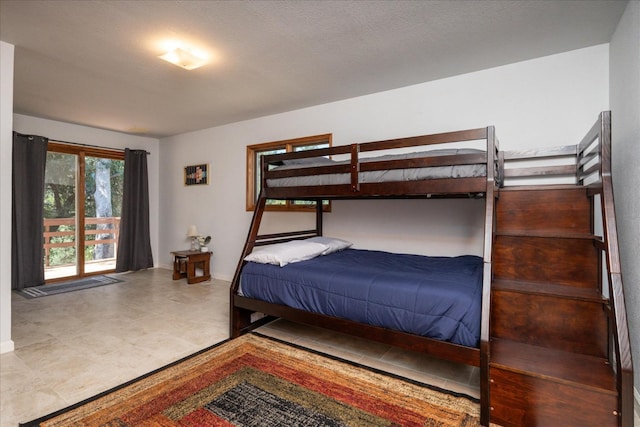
{"points": [[437, 297]]}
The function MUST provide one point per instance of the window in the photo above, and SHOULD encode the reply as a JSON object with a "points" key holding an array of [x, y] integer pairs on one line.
{"points": [[254, 174]]}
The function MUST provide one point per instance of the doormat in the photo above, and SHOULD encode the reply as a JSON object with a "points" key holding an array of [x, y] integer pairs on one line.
{"points": [[73, 285]]}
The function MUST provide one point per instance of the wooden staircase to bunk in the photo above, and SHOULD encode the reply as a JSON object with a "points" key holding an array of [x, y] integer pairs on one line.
{"points": [[555, 347]]}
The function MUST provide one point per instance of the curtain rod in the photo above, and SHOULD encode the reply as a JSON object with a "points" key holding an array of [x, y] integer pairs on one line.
{"points": [[93, 146], [85, 145]]}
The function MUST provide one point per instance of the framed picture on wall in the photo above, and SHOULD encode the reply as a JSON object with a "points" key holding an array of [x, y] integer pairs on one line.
{"points": [[196, 174]]}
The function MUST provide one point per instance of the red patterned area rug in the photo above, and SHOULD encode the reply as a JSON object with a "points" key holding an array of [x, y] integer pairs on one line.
{"points": [[258, 381]]}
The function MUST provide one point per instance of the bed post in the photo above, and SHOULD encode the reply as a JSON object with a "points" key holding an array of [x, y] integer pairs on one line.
{"points": [[319, 216], [490, 196], [240, 318]]}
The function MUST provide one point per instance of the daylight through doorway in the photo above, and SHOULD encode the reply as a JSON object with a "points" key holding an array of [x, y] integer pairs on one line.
{"points": [[82, 205]]}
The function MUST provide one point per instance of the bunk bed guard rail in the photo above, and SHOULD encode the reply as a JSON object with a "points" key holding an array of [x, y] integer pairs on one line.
{"points": [[469, 173]]}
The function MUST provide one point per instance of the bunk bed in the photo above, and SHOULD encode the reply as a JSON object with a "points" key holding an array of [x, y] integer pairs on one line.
{"points": [[428, 166]]}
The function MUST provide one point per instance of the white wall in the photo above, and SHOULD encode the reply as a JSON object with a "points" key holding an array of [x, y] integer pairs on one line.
{"points": [[625, 119], [6, 126], [543, 102]]}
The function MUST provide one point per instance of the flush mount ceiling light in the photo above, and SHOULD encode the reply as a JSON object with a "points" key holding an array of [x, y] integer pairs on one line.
{"points": [[184, 58]]}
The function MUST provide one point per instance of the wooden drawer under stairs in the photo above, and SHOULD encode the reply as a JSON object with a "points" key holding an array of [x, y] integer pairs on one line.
{"points": [[536, 386]]}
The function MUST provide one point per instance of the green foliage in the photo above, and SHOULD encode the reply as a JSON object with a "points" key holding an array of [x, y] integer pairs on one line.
{"points": [[60, 186], [64, 255], [60, 199]]}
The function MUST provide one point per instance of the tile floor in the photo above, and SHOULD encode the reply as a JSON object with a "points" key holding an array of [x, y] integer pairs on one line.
{"points": [[75, 345]]}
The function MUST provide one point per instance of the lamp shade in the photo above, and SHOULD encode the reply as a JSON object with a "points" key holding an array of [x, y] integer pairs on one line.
{"points": [[192, 231]]}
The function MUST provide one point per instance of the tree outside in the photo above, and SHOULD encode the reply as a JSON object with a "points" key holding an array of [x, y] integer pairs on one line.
{"points": [[103, 199]]}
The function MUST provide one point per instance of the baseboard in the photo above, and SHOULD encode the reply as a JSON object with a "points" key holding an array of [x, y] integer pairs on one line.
{"points": [[7, 346]]}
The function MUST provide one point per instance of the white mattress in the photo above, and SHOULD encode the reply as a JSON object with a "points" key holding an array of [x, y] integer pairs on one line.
{"points": [[391, 175]]}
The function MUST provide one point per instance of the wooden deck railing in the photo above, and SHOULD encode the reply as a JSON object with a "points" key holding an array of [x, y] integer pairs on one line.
{"points": [[51, 224]]}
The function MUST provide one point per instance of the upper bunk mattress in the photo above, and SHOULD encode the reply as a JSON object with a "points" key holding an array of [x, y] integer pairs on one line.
{"points": [[436, 297], [387, 175]]}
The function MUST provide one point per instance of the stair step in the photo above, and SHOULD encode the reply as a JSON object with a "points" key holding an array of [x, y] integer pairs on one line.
{"points": [[533, 386], [572, 262], [564, 210], [578, 370], [549, 187], [540, 319], [549, 289], [552, 234]]}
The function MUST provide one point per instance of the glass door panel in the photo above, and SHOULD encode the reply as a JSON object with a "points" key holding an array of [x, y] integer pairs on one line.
{"points": [[102, 207], [60, 221]]}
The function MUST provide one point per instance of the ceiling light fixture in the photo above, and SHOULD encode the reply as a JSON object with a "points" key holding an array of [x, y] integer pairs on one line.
{"points": [[184, 58]]}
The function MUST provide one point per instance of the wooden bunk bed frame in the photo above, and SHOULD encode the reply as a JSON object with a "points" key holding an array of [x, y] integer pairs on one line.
{"points": [[591, 157], [486, 186]]}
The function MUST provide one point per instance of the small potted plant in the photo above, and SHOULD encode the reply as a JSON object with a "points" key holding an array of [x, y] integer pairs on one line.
{"points": [[203, 241]]}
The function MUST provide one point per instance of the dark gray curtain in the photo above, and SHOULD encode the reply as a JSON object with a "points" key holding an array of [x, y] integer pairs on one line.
{"points": [[27, 213], [134, 243]]}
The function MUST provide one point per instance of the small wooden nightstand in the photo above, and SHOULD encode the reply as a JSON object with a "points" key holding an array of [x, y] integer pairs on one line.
{"points": [[186, 262]]}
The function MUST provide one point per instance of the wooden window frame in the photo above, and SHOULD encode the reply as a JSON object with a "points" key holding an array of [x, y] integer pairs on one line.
{"points": [[289, 145]]}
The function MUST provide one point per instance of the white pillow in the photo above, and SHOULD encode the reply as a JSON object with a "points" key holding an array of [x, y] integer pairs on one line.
{"points": [[284, 253], [331, 244]]}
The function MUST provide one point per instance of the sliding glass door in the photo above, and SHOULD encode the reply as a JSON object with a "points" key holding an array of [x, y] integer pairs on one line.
{"points": [[60, 220], [82, 204], [102, 207]]}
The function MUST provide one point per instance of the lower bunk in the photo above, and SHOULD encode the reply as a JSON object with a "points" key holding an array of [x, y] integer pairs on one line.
{"points": [[431, 305], [436, 297]]}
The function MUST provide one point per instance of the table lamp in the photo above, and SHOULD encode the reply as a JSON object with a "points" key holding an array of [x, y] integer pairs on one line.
{"points": [[192, 232]]}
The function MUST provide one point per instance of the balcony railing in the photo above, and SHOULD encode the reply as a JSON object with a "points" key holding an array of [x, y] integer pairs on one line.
{"points": [[110, 227]]}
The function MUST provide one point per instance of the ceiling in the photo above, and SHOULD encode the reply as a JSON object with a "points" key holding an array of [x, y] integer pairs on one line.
{"points": [[95, 62]]}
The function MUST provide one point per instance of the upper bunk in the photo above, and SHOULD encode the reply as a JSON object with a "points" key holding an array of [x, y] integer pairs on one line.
{"points": [[453, 164]]}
